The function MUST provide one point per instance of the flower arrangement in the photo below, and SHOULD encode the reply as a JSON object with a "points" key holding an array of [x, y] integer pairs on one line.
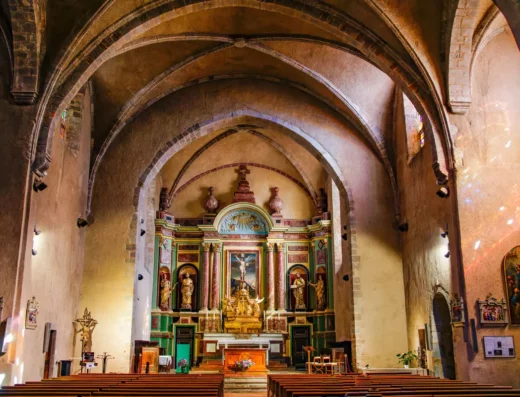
{"points": [[243, 365], [183, 365], [406, 358]]}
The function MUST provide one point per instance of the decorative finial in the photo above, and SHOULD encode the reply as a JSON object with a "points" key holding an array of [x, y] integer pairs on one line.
{"points": [[211, 202], [276, 203]]}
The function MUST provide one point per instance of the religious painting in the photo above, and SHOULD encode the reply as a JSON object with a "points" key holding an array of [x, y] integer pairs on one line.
{"points": [[187, 277], [31, 314], [165, 251], [243, 222], [511, 267], [243, 265], [298, 286], [457, 310], [493, 313], [164, 288]]}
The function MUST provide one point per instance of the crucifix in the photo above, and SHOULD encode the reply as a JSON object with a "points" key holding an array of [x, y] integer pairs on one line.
{"points": [[243, 171]]}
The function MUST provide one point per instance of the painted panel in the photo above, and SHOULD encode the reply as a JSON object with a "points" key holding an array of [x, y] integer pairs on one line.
{"points": [[243, 222]]}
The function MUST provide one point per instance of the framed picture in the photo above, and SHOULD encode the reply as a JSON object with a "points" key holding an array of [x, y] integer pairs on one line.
{"points": [[492, 312], [457, 311], [243, 264], [31, 314], [499, 347], [511, 268]]}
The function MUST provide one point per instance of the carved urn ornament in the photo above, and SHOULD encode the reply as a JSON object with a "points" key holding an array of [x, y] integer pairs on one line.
{"points": [[211, 203], [276, 203]]}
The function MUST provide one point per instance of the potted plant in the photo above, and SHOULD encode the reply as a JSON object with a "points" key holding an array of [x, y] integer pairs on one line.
{"points": [[243, 365], [183, 365], [406, 358]]}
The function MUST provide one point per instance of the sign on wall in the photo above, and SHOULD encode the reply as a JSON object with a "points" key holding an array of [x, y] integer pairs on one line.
{"points": [[499, 347]]}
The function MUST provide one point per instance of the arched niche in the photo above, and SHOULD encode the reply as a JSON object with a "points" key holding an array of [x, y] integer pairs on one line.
{"points": [[182, 272], [164, 277], [442, 338], [291, 277]]}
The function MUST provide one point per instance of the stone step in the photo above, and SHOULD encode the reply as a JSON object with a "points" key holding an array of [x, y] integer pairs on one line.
{"points": [[245, 379]]}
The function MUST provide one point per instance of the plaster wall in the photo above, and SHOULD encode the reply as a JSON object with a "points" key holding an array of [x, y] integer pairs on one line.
{"points": [[488, 144], [108, 269], [53, 275]]}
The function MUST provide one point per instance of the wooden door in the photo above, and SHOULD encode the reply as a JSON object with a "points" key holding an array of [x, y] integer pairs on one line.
{"points": [[300, 337], [185, 336]]}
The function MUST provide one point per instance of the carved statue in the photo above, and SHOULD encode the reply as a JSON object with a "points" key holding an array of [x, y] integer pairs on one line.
{"points": [[319, 287], [187, 291], [297, 287], [87, 324], [244, 262], [166, 291]]}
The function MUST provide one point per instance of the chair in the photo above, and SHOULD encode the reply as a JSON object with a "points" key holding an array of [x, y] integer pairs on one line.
{"points": [[318, 365]]}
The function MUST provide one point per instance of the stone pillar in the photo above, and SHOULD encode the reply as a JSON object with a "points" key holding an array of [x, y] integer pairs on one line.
{"points": [[270, 276], [205, 277], [215, 287], [280, 288]]}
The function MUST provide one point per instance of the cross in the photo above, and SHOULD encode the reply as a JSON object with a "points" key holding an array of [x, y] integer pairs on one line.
{"points": [[243, 171]]}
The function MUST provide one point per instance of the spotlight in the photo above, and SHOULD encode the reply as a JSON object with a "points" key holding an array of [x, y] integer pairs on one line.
{"points": [[403, 227], [447, 255], [444, 234], [140, 277], [345, 227], [344, 236], [82, 222], [34, 252], [143, 232], [345, 277], [38, 185], [443, 192], [36, 231]]}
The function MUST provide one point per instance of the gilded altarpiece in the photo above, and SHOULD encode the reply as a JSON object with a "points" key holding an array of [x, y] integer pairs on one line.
{"points": [[242, 268]]}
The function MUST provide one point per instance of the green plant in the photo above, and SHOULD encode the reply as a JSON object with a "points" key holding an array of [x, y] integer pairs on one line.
{"points": [[406, 358]]}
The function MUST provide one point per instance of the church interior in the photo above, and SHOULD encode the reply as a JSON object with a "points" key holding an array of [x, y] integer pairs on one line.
{"points": [[261, 187]]}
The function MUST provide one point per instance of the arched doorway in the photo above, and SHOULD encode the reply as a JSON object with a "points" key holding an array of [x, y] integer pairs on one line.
{"points": [[443, 359]]}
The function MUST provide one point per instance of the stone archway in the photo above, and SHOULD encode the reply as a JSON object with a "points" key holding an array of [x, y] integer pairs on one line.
{"points": [[442, 338]]}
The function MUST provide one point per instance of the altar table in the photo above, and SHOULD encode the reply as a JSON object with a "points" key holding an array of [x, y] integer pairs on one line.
{"points": [[258, 356]]}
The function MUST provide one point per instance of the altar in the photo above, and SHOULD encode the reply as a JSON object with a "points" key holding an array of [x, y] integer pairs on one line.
{"points": [[272, 343], [258, 356]]}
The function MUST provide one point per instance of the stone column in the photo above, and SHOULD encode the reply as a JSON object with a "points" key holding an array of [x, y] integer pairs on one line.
{"points": [[215, 287], [205, 276], [280, 288], [270, 276]]}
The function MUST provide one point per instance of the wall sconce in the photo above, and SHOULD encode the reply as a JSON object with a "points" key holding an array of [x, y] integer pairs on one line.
{"points": [[344, 236], [39, 185], [443, 192], [447, 255], [81, 222], [143, 232], [403, 227], [444, 234]]}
